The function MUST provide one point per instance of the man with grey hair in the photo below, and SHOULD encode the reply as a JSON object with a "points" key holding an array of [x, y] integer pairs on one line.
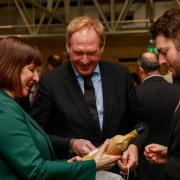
{"points": [[158, 99], [148, 66], [63, 109]]}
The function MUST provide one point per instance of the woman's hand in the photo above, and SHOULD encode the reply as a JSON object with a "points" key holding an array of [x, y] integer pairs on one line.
{"points": [[75, 159], [103, 160], [156, 153]]}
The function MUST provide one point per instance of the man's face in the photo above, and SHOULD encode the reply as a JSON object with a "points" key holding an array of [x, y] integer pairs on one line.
{"points": [[169, 56], [84, 50]]}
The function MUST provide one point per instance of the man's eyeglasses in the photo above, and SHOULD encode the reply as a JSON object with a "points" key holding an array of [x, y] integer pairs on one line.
{"points": [[88, 54]]}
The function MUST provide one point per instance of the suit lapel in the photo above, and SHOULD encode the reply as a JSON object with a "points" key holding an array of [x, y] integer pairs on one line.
{"points": [[73, 88], [174, 122], [36, 126], [108, 95]]}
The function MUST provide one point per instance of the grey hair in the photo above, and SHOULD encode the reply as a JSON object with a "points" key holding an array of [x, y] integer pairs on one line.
{"points": [[148, 64]]}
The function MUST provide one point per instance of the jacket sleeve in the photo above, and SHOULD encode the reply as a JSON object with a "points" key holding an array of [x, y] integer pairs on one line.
{"points": [[20, 152]]}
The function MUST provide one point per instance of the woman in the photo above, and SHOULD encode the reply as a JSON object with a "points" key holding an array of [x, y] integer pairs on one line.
{"points": [[25, 150]]}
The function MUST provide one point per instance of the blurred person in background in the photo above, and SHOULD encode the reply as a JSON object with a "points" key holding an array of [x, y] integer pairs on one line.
{"points": [[135, 78], [54, 61]]}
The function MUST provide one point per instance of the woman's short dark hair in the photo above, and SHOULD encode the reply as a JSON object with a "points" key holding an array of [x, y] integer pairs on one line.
{"points": [[14, 55]]}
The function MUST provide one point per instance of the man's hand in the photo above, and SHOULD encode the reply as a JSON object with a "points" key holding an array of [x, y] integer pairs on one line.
{"points": [[129, 160], [82, 146], [156, 153]]}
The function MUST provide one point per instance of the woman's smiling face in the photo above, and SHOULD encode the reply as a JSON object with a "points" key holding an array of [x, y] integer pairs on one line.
{"points": [[29, 76]]}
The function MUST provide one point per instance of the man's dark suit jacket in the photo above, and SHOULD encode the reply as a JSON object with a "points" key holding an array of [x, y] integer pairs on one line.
{"points": [[158, 99], [173, 163], [61, 110]]}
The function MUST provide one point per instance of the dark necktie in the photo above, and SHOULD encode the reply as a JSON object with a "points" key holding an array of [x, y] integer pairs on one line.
{"points": [[90, 98]]}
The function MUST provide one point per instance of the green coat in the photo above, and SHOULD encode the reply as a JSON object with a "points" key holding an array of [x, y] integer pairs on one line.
{"points": [[26, 152]]}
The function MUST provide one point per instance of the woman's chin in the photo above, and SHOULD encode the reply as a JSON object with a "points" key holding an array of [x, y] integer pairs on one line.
{"points": [[25, 93]]}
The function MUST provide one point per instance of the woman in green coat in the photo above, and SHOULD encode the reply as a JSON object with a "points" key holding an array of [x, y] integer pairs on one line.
{"points": [[25, 150]]}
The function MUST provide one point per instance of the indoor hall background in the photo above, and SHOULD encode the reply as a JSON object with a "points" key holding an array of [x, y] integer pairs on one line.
{"points": [[43, 23]]}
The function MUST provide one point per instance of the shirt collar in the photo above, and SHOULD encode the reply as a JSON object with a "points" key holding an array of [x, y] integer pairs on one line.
{"points": [[151, 76]]}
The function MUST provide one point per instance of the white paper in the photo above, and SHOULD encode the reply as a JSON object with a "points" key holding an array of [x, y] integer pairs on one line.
{"points": [[105, 175]]}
